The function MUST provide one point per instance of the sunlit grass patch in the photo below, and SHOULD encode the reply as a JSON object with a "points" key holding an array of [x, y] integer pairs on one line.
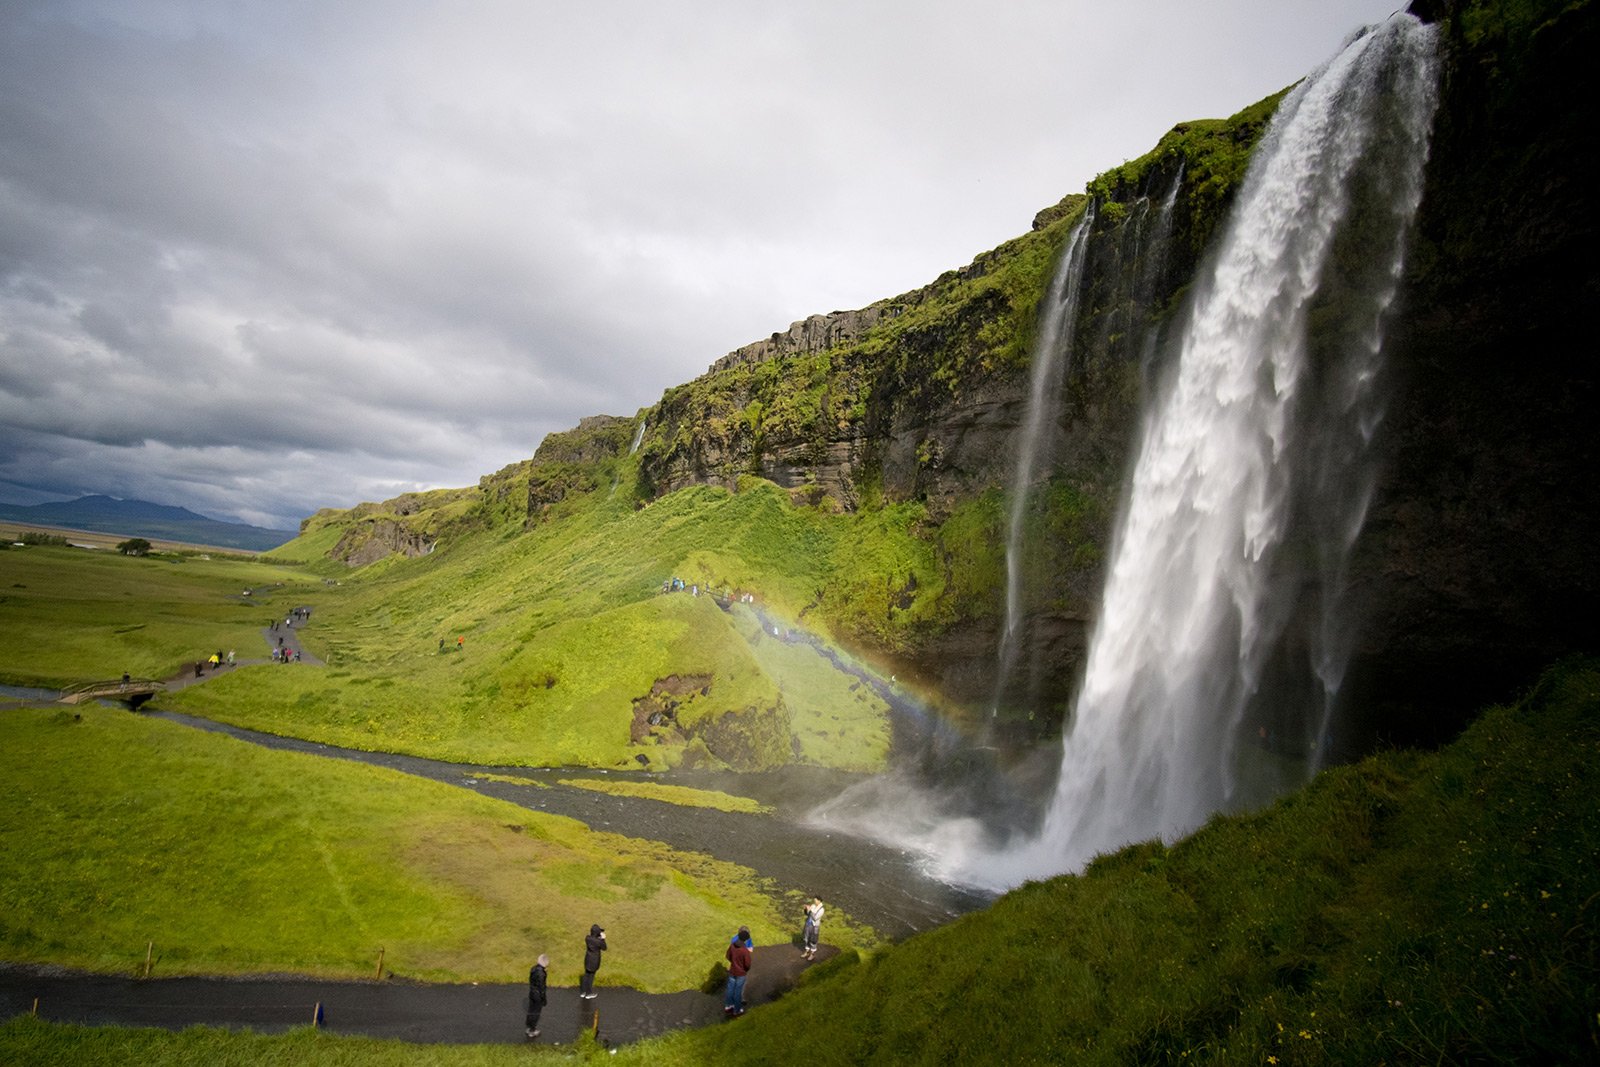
{"points": [[511, 779], [672, 794]]}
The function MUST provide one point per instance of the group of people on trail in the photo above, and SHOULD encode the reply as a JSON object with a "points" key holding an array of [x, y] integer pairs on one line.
{"points": [[215, 660], [539, 976], [740, 955], [677, 585], [280, 654]]}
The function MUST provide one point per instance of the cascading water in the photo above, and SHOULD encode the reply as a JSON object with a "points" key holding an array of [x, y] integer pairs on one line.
{"points": [[638, 438], [1052, 354], [1216, 655], [1151, 263]]}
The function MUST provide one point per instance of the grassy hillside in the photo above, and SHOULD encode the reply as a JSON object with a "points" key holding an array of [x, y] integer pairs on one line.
{"points": [[567, 643], [1417, 907], [1440, 908]]}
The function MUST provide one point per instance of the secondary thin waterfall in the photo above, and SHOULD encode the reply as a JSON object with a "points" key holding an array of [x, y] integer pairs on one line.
{"points": [[1052, 353], [1220, 643]]}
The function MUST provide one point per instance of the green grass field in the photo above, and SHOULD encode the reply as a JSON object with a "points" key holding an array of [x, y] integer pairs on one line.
{"points": [[121, 830], [73, 615], [1413, 908]]}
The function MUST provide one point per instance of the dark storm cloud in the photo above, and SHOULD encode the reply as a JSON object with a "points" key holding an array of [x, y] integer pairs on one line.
{"points": [[260, 258]]}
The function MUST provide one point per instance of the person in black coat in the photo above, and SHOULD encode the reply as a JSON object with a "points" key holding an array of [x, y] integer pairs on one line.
{"points": [[537, 994], [593, 945]]}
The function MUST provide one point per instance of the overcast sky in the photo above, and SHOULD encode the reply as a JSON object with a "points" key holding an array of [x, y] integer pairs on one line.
{"points": [[261, 258]]}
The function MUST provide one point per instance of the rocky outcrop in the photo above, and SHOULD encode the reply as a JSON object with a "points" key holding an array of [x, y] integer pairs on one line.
{"points": [[596, 438], [570, 462], [372, 539], [816, 333]]}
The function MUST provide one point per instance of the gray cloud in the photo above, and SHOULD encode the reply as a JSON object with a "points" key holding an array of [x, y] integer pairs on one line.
{"points": [[261, 258]]}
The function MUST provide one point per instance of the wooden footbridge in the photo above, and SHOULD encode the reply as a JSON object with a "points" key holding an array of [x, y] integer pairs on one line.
{"points": [[131, 691]]}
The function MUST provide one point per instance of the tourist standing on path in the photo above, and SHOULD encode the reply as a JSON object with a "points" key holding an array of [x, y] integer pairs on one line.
{"points": [[593, 945], [739, 960], [813, 927], [537, 993]]}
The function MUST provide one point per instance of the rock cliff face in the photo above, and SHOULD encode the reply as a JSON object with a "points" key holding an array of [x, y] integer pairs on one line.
{"points": [[816, 333], [569, 462], [920, 397], [373, 539], [1479, 562], [1477, 566]]}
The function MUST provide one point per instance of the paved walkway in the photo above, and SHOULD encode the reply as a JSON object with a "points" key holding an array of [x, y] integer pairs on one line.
{"points": [[441, 1014]]}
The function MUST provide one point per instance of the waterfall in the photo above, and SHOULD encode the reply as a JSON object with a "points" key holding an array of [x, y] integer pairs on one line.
{"points": [[1150, 265], [1222, 637], [638, 438], [1051, 355]]}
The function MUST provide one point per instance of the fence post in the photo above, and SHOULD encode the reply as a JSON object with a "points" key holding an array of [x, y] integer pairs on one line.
{"points": [[35, 1007], [316, 1016], [379, 972], [148, 952]]}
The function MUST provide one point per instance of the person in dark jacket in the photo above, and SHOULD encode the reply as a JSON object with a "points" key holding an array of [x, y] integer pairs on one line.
{"points": [[537, 993], [739, 960], [593, 945]]}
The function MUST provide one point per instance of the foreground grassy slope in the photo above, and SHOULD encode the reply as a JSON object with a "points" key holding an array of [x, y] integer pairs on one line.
{"points": [[1412, 908], [119, 830], [1437, 908]]}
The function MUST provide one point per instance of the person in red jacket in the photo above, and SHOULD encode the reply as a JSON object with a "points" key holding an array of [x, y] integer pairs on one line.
{"points": [[739, 959]]}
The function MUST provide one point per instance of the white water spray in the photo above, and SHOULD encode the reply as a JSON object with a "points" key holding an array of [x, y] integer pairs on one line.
{"points": [[638, 438], [1257, 444]]}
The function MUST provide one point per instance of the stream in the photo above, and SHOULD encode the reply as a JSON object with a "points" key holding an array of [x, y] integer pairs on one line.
{"points": [[872, 883]]}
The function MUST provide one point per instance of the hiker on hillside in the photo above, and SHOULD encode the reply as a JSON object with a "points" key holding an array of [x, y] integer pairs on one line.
{"points": [[593, 945], [739, 959], [537, 994], [813, 927]]}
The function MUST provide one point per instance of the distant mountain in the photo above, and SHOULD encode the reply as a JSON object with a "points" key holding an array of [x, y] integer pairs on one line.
{"points": [[140, 518]]}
